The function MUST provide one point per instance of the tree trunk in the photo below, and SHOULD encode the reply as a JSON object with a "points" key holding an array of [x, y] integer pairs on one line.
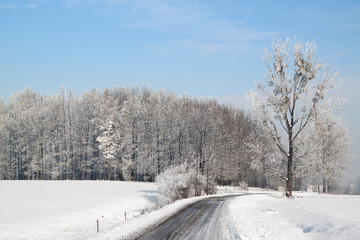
{"points": [[289, 185], [86, 165], [207, 181], [289, 179]]}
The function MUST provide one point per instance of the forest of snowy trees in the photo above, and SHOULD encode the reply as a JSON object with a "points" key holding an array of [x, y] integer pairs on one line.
{"points": [[134, 134], [120, 134]]}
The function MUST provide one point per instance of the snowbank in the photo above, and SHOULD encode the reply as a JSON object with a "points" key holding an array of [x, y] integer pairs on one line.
{"points": [[308, 216]]}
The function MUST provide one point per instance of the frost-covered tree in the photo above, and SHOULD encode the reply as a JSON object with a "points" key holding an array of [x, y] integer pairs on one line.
{"points": [[263, 157], [331, 140], [129, 117], [3, 140], [87, 125], [286, 99], [108, 146]]}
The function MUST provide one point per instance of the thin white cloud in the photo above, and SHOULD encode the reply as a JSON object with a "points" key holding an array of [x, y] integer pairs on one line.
{"points": [[195, 26], [200, 28], [8, 6], [342, 53], [32, 6]]}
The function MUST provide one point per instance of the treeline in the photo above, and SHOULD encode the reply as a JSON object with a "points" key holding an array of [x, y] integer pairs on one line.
{"points": [[122, 134]]}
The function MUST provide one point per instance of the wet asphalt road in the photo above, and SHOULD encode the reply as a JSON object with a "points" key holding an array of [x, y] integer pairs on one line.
{"points": [[202, 220]]}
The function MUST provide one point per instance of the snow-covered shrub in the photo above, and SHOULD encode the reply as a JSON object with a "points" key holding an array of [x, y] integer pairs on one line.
{"points": [[183, 181], [175, 183], [243, 186]]}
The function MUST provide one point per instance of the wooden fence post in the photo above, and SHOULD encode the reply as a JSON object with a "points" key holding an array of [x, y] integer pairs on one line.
{"points": [[97, 225]]}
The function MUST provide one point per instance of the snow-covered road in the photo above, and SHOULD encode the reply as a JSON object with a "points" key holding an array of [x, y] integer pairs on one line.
{"points": [[201, 220]]}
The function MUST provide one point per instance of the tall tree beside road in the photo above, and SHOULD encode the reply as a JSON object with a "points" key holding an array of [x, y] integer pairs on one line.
{"points": [[287, 98]]}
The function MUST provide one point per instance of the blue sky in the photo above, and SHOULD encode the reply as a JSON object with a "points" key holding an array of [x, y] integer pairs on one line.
{"points": [[203, 47]]}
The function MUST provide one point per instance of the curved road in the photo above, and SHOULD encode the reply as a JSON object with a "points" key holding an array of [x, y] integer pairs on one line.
{"points": [[199, 221]]}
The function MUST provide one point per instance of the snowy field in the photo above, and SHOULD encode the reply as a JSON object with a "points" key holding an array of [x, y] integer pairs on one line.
{"points": [[307, 216], [69, 210]]}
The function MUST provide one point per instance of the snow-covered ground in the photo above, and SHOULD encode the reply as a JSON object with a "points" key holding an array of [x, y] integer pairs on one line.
{"points": [[69, 210], [307, 216]]}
